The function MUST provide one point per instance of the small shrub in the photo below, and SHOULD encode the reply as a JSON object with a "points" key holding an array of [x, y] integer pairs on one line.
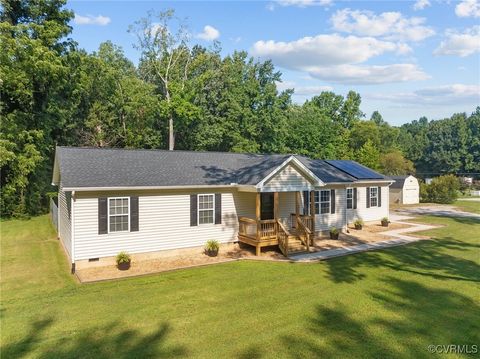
{"points": [[334, 233], [385, 219], [358, 224], [443, 189], [211, 247], [123, 257]]}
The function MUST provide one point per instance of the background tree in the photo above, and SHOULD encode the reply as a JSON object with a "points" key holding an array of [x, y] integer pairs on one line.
{"points": [[165, 56], [394, 164]]}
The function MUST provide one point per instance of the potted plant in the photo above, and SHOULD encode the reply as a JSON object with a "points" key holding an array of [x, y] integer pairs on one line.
{"points": [[123, 261], [334, 232], [358, 224], [211, 248], [385, 222]]}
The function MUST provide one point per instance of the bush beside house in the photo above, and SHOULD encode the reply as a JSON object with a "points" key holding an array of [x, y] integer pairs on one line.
{"points": [[443, 189]]}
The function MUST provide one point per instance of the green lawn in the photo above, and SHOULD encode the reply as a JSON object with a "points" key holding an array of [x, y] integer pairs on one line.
{"points": [[391, 303], [468, 206]]}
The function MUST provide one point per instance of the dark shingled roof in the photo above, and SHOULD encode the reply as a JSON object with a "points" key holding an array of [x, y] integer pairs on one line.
{"points": [[399, 181], [100, 167]]}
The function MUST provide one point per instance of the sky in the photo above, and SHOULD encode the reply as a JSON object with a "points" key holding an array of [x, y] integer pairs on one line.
{"points": [[407, 59]]}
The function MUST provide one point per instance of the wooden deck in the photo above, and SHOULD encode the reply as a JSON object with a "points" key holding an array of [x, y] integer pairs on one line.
{"points": [[262, 233]]}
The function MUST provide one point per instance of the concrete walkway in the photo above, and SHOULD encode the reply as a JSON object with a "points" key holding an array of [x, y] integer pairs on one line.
{"points": [[399, 235]]}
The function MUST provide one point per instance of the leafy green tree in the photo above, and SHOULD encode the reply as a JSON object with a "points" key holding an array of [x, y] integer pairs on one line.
{"points": [[165, 57], [394, 164], [377, 118], [368, 155], [34, 93]]}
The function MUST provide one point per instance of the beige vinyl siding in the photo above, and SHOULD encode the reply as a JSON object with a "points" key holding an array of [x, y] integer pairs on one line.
{"points": [[323, 222], [289, 177], [372, 213], [342, 215], [64, 220], [164, 222]]}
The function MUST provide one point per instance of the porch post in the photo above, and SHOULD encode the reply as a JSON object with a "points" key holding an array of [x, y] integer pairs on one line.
{"points": [[297, 206], [275, 205], [312, 212], [275, 211], [257, 214]]}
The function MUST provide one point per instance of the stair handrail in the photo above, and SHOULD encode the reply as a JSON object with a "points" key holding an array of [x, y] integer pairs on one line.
{"points": [[282, 237], [301, 226]]}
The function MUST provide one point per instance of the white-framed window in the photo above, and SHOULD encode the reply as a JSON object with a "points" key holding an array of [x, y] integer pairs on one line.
{"points": [[324, 201], [373, 196], [316, 198], [118, 214], [206, 208], [349, 198]]}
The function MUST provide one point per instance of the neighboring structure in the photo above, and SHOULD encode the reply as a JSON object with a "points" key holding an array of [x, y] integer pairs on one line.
{"points": [[405, 190], [113, 200]]}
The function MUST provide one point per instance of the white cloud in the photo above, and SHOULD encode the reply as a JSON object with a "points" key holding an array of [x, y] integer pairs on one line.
{"points": [[304, 3], [209, 33], [441, 95], [336, 58], [389, 25], [91, 20], [302, 90], [324, 50], [468, 8], [421, 4], [460, 43], [369, 74]]}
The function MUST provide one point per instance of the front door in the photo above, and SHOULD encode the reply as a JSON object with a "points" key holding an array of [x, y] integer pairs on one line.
{"points": [[266, 206]]}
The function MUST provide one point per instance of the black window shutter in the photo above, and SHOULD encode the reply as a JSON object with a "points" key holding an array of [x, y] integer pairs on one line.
{"points": [[332, 201], [368, 197], [193, 210], [102, 216], [355, 198], [379, 196], [218, 208], [134, 214], [306, 202]]}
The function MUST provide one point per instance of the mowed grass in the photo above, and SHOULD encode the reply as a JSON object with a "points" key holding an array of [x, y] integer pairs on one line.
{"points": [[468, 206], [383, 304]]}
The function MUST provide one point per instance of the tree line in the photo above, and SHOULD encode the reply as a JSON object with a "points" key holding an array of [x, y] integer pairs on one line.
{"points": [[182, 97]]}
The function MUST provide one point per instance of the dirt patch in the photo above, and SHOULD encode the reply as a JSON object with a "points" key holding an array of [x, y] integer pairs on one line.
{"points": [[180, 260]]}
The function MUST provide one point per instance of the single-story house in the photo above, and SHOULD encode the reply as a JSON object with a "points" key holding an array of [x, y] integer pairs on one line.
{"points": [[138, 201], [405, 190]]}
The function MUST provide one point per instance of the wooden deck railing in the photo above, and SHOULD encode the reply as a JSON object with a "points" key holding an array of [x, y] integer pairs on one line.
{"points": [[247, 227], [267, 229], [307, 220], [264, 231]]}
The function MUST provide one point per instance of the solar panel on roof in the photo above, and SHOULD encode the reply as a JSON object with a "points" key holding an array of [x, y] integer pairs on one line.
{"points": [[355, 169]]}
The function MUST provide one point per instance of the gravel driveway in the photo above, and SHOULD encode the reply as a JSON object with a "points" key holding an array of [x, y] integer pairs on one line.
{"points": [[437, 210]]}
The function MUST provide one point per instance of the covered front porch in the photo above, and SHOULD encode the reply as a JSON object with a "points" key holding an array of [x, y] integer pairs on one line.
{"points": [[293, 233]]}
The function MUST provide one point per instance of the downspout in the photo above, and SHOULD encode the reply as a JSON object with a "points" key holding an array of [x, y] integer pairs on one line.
{"points": [[72, 230]]}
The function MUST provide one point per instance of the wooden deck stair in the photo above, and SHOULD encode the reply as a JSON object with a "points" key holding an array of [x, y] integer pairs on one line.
{"points": [[295, 245]]}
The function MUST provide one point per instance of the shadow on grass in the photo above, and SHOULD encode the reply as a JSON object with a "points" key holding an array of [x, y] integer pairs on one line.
{"points": [[111, 341], [427, 258], [416, 317]]}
